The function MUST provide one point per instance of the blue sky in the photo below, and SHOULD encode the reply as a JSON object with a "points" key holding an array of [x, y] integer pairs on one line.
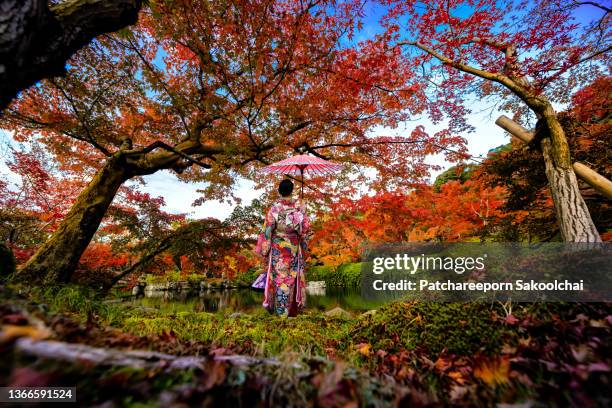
{"points": [[180, 196]]}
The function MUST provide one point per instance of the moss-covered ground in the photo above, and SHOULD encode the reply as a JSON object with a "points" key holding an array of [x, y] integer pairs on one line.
{"points": [[425, 353]]}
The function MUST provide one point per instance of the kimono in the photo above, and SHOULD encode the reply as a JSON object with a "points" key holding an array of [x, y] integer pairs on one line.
{"points": [[283, 243]]}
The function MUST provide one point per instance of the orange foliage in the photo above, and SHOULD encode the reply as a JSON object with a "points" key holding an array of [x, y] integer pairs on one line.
{"points": [[101, 256], [458, 212]]}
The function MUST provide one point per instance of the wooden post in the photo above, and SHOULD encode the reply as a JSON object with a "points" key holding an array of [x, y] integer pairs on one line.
{"points": [[585, 173], [593, 179]]}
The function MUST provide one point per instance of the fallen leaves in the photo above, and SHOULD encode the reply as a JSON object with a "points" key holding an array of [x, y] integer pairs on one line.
{"points": [[364, 349], [494, 371], [10, 332]]}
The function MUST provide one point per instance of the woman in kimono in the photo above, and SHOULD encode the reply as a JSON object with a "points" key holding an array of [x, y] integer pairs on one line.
{"points": [[283, 244]]}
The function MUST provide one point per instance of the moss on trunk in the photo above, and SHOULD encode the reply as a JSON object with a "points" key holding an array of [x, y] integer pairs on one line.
{"points": [[56, 260]]}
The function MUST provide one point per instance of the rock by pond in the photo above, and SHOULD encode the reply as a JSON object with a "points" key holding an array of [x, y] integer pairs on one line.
{"points": [[315, 288]]}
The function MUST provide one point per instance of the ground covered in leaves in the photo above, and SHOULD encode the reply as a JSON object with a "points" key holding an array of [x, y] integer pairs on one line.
{"points": [[422, 353]]}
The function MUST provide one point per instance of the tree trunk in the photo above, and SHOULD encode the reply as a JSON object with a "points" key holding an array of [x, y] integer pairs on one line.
{"points": [[599, 183], [163, 245], [572, 212], [573, 215], [36, 39], [573, 220], [74, 353], [56, 260]]}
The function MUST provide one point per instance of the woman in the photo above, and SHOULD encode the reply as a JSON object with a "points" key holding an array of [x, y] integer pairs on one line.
{"points": [[283, 243]]}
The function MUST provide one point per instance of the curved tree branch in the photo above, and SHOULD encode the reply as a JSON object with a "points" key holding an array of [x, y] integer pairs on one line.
{"points": [[36, 40]]}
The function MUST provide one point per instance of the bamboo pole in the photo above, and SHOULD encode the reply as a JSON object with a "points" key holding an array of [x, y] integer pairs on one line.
{"points": [[585, 173]]}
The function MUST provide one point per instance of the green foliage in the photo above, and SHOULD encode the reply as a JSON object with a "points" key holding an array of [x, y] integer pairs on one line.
{"points": [[319, 272], [460, 328], [248, 277], [346, 275], [171, 276], [195, 278], [7, 263], [461, 172]]}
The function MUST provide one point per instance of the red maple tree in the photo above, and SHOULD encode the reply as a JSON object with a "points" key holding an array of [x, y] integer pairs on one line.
{"points": [[526, 55], [213, 93]]}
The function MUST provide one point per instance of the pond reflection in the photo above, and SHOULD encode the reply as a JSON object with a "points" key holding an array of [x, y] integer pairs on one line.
{"points": [[248, 300]]}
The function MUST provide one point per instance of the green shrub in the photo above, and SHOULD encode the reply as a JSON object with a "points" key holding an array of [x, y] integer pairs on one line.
{"points": [[249, 276], [195, 278], [460, 172], [319, 272], [80, 301], [7, 263], [171, 276], [150, 279], [346, 275], [460, 328]]}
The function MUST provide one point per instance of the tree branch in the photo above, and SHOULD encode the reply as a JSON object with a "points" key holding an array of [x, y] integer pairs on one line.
{"points": [[36, 40], [520, 89], [175, 151], [463, 67]]}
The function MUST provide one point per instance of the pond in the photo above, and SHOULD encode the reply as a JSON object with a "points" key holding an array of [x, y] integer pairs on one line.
{"points": [[248, 300]]}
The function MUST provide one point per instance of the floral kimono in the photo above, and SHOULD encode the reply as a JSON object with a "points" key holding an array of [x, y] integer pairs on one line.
{"points": [[283, 242]]}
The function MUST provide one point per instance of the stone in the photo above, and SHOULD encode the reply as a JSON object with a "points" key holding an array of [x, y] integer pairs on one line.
{"points": [[138, 289], [338, 313], [369, 313]]}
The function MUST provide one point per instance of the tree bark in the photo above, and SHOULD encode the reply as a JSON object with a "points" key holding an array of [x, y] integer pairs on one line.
{"points": [[583, 172], [163, 245], [36, 40], [56, 260], [573, 215], [73, 353]]}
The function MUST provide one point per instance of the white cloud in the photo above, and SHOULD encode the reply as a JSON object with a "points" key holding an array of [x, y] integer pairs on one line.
{"points": [[180, 196]]}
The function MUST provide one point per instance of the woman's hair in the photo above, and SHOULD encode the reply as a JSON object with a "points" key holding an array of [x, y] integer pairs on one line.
{"points": [[285, 187]]}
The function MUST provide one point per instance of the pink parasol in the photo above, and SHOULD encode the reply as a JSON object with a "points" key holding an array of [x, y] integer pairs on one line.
{"points": [[302, 164]]}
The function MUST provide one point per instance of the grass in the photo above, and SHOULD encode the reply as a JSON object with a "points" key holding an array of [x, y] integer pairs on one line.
{"points": [[461, 328], [78, 302], [256, 334]]}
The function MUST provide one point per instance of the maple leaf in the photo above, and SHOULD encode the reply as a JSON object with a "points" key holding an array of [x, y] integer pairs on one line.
{"points": [[493, 371], [364, 348], [511, 319]]}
